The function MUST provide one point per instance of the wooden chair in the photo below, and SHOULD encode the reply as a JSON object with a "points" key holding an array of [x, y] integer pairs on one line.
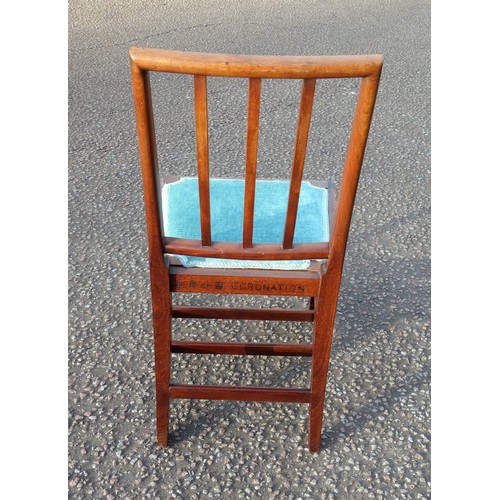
{"points": [[320, 282]]}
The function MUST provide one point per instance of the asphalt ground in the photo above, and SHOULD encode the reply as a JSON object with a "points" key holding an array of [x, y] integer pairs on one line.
{"points": [[376, 429]]}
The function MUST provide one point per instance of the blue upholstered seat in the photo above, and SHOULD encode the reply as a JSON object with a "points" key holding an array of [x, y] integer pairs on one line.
{"points": [[181, 217]]}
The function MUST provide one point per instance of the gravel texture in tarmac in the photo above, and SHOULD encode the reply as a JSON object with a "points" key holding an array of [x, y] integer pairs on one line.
{"points": [[376, 429]]}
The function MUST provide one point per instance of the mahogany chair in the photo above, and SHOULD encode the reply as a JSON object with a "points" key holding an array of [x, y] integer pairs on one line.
{"points": [[321, 258]]}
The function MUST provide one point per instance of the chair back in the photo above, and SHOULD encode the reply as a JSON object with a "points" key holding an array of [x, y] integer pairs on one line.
{"points": [[254, 68]]}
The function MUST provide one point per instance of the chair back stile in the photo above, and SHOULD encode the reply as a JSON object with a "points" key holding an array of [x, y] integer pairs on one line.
{"points": [[149, 162], [352, 169]]}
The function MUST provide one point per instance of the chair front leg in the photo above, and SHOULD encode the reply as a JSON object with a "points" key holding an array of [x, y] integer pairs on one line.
{"points": [[311, 303]]}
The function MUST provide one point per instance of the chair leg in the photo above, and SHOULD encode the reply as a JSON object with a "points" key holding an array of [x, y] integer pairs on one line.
{"points": [[323, 331], [162, 326]]}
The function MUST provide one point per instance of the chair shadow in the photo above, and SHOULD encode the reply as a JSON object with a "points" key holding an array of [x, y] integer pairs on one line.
{"points": [[361, 416], [376, 406], [392, 306]]}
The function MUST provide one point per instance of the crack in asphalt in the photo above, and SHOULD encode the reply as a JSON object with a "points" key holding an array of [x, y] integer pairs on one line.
{"points": [[187, 28]]}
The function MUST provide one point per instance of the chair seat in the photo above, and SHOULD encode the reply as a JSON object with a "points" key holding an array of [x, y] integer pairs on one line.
{"points": [[181, 218]]}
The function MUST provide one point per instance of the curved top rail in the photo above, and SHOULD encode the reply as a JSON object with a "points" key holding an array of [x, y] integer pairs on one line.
{"points": [[250, 66]]}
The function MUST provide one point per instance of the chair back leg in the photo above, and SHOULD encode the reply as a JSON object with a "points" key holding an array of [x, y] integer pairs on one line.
{"points": [[162, 327], [324, 318]]}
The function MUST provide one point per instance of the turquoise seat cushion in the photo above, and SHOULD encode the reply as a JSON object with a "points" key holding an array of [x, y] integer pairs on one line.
{"points": [[181, 217]]}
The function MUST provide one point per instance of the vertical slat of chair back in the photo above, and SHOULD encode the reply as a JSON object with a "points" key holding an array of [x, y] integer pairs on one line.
{"points": [[254, 85], [299, 155], [201, 117]]}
